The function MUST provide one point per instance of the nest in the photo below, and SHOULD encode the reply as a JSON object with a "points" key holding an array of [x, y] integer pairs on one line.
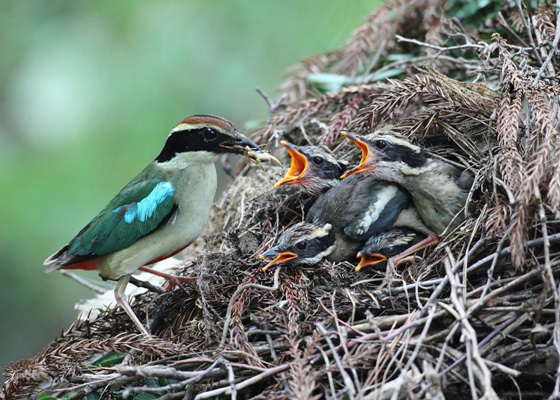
{"points": [[478, 316]]}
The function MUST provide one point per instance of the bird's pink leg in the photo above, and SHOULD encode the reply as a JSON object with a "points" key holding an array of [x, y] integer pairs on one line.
{"points": [[123, 301], [172, 279], [406, 256], [431, 240]]}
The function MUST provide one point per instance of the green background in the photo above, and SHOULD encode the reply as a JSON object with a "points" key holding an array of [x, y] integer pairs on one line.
{"points": [[88, 94]]}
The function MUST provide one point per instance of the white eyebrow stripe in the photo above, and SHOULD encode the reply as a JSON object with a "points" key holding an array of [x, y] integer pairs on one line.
{"points": [[397, 141], [181, 127]]}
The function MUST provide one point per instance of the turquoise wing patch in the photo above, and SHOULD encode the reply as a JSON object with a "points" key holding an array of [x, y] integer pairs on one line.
{"points": [[138, 210], [146, 207]]}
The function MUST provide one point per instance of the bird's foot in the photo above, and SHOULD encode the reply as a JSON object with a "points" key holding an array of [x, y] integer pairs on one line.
{"points": [[390, 272], [172, 280], [398, 260], [391, 269]]}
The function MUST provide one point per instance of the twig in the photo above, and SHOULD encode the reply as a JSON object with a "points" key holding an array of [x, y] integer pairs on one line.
{"points": [[146, 285], [242, 385], [272, 107], [328, 369], [239, 290], [420, 340], [185, 377], [231, 378], [471, 341], [556, 340], [493, 265], [419, 343], [502, 330], [82, 281], [352, 328], [440, 48], [444, 281], [553, 49], [458, 47], [503, 369], [550, 278], [157, 371], [443, 351], [90, 387], [346, 378], [528, 29], [502, 21]]}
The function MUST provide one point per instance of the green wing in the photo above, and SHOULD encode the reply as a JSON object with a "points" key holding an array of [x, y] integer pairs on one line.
{"points": [[138, 210]]}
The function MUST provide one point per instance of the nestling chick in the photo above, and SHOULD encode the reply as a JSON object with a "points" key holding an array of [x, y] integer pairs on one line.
{"points": [[438, 189], [362, 206], [314, 168], [387, 244], [303, 243], [353, 211]]}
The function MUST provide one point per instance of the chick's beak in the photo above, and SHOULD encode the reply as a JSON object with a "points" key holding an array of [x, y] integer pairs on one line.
{"points": [[367, 260], [281, 257], [298, 166], [362, 167]]}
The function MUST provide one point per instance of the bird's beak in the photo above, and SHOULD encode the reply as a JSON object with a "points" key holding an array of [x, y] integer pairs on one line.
{"points": [[298, 167], [243, 145], [240, 144], [362, 167], [281, 257], [371, 259]]}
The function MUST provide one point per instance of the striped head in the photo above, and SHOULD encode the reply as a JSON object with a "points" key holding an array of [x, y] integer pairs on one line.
{"points": [[388, 156], [314, 168], [205, 133], [387, 244], [303, 243]]}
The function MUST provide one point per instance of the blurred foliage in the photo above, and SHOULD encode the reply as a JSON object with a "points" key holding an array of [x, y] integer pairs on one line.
{"points": [[474, 13], [88, 93]]}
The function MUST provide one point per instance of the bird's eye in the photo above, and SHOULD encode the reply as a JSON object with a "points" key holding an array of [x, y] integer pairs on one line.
{"points": [[301, 245], [381, 144], [210, 134], [318, 160], [391, 250]]}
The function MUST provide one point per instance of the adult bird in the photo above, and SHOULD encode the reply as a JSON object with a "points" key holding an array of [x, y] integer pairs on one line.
{"points": [[354, 210], [161, 211], [439, 190], [314, 169], [386, 245]]}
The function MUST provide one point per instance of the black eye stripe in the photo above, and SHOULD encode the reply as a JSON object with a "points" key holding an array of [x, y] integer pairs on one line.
{"points": [[395, 152], [196, 139]]}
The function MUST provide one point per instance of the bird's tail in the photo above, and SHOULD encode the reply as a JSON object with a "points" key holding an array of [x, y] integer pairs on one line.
{"points": [[56, 260], [61, 260]]}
